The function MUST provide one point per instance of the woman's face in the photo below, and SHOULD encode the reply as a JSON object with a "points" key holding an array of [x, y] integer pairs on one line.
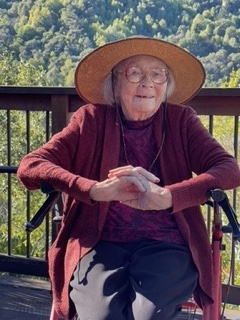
{"points": [[140, 100]]}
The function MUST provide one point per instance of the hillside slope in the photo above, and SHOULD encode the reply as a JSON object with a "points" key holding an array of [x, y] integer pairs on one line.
{"points": [[57, 33]]}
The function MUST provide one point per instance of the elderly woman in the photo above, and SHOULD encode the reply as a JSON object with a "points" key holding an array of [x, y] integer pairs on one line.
{"points": [[133, 243]]}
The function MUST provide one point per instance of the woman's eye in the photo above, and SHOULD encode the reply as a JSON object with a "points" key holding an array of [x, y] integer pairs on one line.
{"points": [[134, 71]]}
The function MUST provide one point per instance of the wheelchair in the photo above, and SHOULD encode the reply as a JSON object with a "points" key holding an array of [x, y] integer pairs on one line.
{"points": [[217, 200]]}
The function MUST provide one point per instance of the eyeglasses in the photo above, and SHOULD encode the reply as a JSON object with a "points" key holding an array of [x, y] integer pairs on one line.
{"points": [[136, 75]]}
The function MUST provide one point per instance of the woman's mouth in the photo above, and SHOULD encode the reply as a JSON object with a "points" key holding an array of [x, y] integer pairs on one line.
{"points": [[144, 97]]}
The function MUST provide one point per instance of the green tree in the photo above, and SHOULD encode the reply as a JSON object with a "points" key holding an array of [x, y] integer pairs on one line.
{"points": [[233, 80], [21, 73]]}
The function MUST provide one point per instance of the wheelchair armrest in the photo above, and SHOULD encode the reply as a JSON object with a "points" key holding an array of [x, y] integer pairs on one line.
{"points": [[47, 206], [46, 188]]}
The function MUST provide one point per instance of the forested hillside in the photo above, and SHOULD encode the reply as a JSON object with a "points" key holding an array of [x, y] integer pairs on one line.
{"points": [[55, 34]]}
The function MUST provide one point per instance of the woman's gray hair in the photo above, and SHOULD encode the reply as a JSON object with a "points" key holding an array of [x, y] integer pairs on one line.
{"points": [[108, 87]]}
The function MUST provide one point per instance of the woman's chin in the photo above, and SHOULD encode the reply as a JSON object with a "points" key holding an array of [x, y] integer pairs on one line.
{"points": [[144, 110]]}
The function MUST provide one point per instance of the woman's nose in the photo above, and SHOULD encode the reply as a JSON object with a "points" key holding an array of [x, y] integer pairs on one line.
{"points": [[147, 81]]}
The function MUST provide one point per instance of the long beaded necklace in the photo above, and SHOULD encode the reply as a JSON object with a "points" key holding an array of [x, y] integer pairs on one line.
{"points": [[162, 141]]}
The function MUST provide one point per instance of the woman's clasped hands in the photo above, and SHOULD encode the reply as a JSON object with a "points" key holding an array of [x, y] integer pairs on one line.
{"points": [[133, 186]]}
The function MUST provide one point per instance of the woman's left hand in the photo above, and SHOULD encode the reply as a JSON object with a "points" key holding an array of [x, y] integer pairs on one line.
{"points": [[155, 197]]}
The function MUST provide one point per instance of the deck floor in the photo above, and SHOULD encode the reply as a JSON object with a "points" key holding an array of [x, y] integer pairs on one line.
{"points": [[27, 299], [24, 299]]}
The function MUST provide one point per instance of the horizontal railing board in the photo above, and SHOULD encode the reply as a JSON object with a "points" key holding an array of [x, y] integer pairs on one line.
{"points": [[24, 266], [209, 101]]}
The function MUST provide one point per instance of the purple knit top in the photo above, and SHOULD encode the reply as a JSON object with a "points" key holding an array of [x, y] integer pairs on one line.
{"points": [[124, 223]]}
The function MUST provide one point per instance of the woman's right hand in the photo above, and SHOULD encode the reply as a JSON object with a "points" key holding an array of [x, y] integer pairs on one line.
{"points": [[124, 187]]}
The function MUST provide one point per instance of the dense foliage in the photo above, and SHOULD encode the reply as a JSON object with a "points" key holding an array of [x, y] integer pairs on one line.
{"points": [[57, 33]]}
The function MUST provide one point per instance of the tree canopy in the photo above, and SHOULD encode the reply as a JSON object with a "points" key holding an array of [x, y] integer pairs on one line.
{"points": [[55, 34]]}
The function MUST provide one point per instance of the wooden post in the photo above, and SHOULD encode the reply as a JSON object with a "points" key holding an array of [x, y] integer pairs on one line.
{"points": [[60, 110]]}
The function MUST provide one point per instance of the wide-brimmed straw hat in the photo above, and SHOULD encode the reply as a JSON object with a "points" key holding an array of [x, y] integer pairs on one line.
{"points": [[188, 72]]}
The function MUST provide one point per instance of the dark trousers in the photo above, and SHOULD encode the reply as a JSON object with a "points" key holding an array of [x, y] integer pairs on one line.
{"points": [[126, 281]]}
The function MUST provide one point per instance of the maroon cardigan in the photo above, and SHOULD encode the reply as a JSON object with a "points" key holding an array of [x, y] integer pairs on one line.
{"points": [[84, 152]]}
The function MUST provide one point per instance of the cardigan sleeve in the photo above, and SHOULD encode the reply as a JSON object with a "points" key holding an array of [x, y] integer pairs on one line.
{"points": [[212, 166], [55, 162]]}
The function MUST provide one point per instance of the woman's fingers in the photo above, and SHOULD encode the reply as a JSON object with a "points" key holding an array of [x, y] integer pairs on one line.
{"points": [[135, 183], [156, 198], [122, 188], [133, 171]]}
